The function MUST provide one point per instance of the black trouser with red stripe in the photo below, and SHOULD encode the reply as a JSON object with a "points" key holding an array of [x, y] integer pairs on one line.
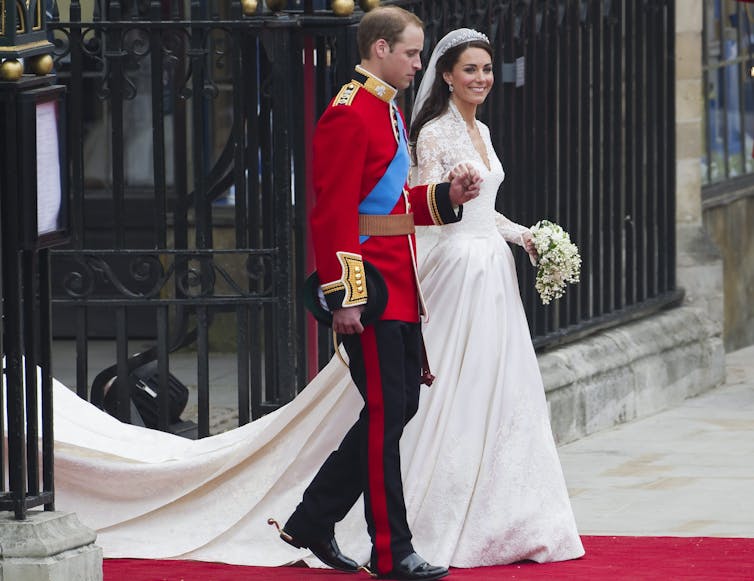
{"points": [[385, 362]]}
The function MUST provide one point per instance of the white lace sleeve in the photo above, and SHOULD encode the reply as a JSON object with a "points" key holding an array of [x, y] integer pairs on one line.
{"points": [[509, 230], [429, 169], [431, 161]]}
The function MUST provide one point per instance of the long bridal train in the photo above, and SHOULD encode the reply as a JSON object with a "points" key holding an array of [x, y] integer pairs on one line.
{"points": [[151, 494]]}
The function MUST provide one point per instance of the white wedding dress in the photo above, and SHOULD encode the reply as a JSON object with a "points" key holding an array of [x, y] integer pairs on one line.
{"points": [[482, 478]]}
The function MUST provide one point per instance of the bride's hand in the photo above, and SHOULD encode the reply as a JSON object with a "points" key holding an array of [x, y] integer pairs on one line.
{"points": [[462, 169], [530, 247]]}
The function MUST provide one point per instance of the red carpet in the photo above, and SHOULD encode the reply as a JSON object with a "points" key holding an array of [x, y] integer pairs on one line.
{"points": [[610, 558]]}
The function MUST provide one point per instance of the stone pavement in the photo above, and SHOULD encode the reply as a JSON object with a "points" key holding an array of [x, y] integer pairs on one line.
{"points": [[687, 471]]}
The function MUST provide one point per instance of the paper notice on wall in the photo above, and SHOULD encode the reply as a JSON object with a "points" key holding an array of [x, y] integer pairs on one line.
{"points": [[48, 168]]}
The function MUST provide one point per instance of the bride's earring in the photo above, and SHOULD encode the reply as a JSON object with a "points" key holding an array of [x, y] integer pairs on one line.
{"points": [[450, 87]]}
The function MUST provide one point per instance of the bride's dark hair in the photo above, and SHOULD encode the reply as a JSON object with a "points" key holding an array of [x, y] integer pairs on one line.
{"points": [[439, 94]]}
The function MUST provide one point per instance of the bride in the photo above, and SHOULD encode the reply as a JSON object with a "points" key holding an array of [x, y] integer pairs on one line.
{"points": [[497, 485], [482, 478]]}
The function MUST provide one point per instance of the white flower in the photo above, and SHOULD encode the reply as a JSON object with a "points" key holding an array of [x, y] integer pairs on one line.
{"points": [[559, 261]]}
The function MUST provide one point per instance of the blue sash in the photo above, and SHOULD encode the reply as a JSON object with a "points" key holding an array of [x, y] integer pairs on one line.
{"points": [[383, 197]]}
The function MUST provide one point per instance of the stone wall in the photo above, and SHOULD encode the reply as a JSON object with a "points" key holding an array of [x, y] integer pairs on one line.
{"points": [[631, 371], [729, 218], [700, 268], [727, 213]]}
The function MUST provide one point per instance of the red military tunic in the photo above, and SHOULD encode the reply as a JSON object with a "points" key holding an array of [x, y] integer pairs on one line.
{"points": [[354, 143]]}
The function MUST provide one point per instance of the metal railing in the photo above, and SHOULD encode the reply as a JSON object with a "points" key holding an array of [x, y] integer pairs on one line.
{"points": [[213, 242]]}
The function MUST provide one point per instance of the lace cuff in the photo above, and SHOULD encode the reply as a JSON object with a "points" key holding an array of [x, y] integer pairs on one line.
{"points": [[509, 230]]}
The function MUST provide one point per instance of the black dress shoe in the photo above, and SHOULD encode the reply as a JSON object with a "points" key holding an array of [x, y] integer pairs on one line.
{"points": [[414, 567], [326, 550]]}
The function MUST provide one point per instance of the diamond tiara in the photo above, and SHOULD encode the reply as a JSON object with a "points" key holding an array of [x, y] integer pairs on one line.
{"points": [[464, 35]]}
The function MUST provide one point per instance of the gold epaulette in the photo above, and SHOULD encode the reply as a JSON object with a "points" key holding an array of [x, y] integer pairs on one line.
{"points": [[346, 94]]}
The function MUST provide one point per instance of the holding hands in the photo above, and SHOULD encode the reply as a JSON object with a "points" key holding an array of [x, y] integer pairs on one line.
{"points": [[465, 182]]}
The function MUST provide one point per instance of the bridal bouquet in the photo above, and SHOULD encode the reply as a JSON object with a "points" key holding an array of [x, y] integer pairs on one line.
{"points": [[559, 261]]}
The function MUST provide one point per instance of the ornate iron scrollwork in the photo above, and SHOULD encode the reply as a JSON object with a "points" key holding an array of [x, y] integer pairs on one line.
{"points": [[245, 274]]}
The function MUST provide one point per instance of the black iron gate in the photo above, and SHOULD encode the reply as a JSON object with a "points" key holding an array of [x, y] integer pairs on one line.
{"points": [[189, 139], [188, 189]]}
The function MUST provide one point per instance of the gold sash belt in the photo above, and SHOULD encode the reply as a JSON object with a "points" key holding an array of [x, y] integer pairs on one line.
{"points": [[388, 225]]}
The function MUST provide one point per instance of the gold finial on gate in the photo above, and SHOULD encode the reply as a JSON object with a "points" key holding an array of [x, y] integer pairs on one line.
{"points": [[249, 7], [367, 5], [41, 64], [342, 7], [11, 70], [276, 5]]}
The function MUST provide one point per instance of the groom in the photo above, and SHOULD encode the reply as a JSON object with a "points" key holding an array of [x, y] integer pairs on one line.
{"points": [[365, 211]]}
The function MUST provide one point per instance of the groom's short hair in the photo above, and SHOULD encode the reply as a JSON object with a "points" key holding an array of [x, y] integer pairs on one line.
{"points": [[386, 22]]}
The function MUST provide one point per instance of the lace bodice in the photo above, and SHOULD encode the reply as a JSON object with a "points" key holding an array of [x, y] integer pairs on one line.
{"points": [[443, 143]]}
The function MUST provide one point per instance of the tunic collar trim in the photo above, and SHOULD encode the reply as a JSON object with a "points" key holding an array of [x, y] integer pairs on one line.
{"points": [[374, 85]]}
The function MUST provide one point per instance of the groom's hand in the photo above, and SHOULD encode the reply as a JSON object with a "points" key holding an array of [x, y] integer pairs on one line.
{"points": [[347, 321], [465, 182]]}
